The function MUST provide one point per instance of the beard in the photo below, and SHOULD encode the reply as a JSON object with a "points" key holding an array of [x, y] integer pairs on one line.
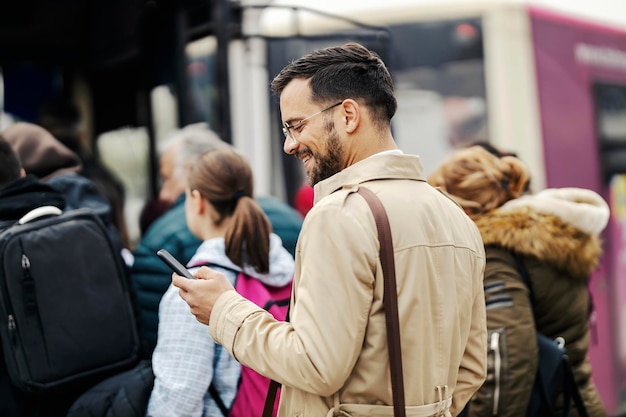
{"points": [[330, 163]]}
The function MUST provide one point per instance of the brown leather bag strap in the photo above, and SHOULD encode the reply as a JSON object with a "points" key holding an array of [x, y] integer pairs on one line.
{"points": [[390, 299], [272, 391]]}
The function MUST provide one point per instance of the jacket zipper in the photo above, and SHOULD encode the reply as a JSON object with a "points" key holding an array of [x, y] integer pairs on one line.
{"points": [[495, 346]]}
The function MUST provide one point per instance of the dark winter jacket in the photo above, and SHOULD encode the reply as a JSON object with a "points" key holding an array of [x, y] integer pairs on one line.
{"points": [[43, 156], [26, 194], [556, 234], [123, 395]]}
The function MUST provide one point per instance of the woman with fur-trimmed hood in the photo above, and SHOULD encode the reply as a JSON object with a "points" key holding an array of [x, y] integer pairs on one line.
{"points": [[555, 235]]}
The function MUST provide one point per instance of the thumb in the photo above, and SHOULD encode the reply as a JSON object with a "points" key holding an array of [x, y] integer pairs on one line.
{"points": [[180, 282]]}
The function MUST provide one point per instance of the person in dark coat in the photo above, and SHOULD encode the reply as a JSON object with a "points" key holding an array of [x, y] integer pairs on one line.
{"points": [[43, 156], [21, 193], [554, 234]]}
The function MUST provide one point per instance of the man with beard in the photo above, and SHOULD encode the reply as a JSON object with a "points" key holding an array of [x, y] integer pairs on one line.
{"points": [[332, 357]]}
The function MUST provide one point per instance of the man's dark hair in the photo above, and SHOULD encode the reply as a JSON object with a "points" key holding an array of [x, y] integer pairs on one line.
{"points": [[341, 72], [10, 165]]}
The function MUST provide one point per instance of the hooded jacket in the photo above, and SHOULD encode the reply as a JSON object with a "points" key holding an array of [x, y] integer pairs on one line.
{"points": [[332, 356], [43, 156], [186, 360], [25, 194], [555, 234]]}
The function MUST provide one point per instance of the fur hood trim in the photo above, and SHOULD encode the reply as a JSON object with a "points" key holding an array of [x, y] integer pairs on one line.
{"points": [[583, 209], [560, 227]]}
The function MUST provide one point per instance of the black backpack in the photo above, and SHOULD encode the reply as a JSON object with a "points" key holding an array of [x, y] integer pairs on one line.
{"points": [[66, 316]]}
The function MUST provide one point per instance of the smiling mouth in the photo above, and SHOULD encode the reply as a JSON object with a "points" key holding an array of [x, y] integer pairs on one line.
{"points": [[305, 158]]}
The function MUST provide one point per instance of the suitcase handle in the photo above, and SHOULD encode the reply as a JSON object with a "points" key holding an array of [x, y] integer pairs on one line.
{"points": [[40, 212]]}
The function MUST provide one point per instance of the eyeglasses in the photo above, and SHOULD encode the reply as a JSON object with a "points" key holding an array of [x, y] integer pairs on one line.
{"points": [[287, 129]]}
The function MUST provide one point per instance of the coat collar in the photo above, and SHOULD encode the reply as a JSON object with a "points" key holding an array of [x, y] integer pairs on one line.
{"points": [[376, 167]]}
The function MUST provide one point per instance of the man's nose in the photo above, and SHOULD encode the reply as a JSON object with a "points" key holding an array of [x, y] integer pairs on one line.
{"points": [[290, 145]]}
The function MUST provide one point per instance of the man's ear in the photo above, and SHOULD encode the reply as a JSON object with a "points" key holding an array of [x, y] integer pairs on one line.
{"points": [[351, 115], [22, 172]]}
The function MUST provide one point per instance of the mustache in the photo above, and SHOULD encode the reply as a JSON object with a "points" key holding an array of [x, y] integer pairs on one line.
{"points": [[302, 153]]}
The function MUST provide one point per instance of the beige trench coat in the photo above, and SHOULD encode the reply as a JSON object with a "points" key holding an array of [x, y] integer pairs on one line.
{"points": [[334, 350]]}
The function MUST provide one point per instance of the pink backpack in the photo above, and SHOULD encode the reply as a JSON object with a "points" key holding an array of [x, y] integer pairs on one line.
{"points": [[252, 390]]}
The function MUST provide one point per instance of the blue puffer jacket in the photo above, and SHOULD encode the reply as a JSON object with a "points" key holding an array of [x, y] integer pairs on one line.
{"points": [[151, 277]]}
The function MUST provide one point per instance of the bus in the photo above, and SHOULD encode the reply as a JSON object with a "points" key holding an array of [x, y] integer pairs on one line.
{"points": [[544, 79], [541, 82]]}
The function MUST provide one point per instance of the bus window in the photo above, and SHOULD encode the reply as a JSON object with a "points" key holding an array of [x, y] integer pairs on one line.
{"points": [[610, 106], [202, 76], [25, 87], [440, 85], [126, 151]]}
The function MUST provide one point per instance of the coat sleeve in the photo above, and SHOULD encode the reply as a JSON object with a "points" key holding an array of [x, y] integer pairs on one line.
{"points": [[512, 338], [332, 298]]}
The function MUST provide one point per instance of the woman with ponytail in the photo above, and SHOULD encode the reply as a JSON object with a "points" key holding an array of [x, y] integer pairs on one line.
{"points": [[237, 236]]}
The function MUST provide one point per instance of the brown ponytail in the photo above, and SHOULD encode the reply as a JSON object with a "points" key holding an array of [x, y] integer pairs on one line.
{"points": [[223, 177]]}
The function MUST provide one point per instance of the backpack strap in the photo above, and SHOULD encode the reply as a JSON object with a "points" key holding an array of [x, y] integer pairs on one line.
{"points": [[218, 400], [578, 400]]}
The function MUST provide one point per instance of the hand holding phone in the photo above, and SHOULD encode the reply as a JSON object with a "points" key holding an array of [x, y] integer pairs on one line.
{"points": [[176, 266]]}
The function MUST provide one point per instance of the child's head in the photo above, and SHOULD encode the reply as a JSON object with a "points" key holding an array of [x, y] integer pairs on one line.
{"points": [[223, 178]]}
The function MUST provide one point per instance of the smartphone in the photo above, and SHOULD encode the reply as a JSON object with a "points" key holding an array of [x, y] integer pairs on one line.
{"points": [[176, 266]]}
